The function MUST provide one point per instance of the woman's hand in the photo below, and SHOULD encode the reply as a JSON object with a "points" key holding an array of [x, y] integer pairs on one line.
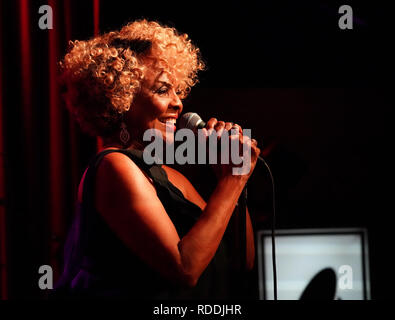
{"points": [[247, 146]]}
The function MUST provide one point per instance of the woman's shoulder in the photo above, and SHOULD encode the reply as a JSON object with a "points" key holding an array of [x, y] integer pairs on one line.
{"points": [[117, 160], [121, 165], [112, 165]]}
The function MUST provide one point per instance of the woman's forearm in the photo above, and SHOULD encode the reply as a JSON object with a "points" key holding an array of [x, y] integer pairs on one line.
{"points": [[199, 245]]}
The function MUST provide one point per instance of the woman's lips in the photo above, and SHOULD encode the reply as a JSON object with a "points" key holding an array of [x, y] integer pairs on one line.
{"points": [[169, 125], [168, 119]]}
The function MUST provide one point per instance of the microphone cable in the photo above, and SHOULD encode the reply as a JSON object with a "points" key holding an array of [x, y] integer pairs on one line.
{"points": [[193, 121], [273, 230]]}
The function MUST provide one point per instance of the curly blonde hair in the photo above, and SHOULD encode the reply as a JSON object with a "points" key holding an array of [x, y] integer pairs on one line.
{"points": [[103, 75]]}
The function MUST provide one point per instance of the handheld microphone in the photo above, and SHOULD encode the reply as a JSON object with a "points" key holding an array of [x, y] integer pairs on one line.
{"points": [[193, 121]]}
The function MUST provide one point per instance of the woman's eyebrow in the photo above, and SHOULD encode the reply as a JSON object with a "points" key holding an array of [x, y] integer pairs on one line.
{"points": [[157, 80], [165, 82]]}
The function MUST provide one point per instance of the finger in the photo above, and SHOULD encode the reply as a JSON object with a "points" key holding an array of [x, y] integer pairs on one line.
{"points": [[257, 151], [246, 144], [235, 130], [205, 133], [219, 125], [253, 150], [237, 127], [211, 123], [246, 139], [228, 125], [242, 140]]}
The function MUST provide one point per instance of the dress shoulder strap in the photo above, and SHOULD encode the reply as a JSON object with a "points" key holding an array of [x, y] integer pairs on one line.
{"points": [[135, 155]]}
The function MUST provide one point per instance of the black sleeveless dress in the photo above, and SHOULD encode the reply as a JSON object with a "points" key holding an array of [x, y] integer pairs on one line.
{"points": [[98, 264]]}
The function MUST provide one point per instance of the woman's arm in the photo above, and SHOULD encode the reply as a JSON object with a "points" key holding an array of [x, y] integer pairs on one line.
{"points": [[128, 202], [199, 245], [250, 242], [189, 192]]}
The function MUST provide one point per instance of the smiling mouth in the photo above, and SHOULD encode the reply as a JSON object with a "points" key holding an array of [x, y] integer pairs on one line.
{"points": [[168, 120]]}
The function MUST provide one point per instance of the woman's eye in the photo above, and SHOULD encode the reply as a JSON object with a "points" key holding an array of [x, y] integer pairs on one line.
{"points": [[162, 90]]}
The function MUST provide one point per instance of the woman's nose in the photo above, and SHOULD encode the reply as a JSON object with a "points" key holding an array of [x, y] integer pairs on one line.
{"points": [[176, 102]]}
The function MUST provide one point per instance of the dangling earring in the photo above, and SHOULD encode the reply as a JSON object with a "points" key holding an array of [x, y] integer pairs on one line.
{"points": [[124, 136]]}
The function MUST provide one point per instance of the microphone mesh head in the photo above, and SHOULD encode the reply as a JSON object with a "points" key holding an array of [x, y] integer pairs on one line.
{"points": [[190, 120]]}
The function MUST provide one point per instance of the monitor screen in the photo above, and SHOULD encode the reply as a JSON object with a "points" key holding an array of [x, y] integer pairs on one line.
{"points": [[315, 264]]}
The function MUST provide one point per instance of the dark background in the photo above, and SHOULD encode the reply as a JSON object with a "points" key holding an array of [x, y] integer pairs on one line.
{"points": [[317, 98]]}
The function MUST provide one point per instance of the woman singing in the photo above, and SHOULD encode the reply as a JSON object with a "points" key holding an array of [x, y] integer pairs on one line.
{"points": [[141, 230]]}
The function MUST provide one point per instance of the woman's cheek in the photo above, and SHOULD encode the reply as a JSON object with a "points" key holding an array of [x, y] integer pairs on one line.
{"points": [[161, 106]]}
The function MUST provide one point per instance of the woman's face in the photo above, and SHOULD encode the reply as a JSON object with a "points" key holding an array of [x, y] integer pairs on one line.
{"points": [[156, 106]]}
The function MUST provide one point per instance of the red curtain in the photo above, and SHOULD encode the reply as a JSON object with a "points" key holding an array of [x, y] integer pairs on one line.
{"points": [[42, 151], [3, 266]]}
